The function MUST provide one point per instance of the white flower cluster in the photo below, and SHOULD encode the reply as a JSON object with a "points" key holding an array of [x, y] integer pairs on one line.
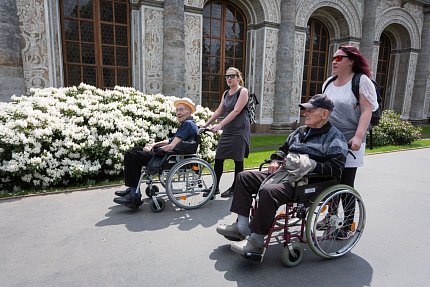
{"points": [[57, 136]]}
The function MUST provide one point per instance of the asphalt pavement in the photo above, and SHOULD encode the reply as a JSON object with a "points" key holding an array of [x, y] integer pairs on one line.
{"points": [[82, 238]]}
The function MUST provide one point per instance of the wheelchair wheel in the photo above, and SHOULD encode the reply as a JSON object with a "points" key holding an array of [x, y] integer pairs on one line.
{"points": [[188, 180], [342, 210], [151, 191], [293, 257], [157, 206]]}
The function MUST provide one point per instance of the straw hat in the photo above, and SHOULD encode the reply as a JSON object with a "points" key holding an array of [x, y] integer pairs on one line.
{"points": [[187, 102]]}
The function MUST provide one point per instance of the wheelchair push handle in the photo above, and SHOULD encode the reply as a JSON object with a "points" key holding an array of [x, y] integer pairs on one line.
{"points": [[350, 151], [263, 163], [203, 130]]}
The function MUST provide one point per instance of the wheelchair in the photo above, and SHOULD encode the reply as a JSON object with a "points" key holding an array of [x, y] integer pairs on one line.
{"points": [[328, 216], [185, 178]]}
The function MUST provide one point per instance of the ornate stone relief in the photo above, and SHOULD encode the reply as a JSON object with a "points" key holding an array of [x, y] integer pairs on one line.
{"points": [[401, 17], [410, 77], [269, 72], [153, 50], [257, 63], [194, 3], [299, 55], [417, 14], [273, 8], [34, 49], [351, 11], [384, 5], [193, 32]]}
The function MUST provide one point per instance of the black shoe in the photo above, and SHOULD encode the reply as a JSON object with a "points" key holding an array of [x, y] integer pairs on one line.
{"points": [[123, 193], [227, 193], [208, 190], [128, 200]]}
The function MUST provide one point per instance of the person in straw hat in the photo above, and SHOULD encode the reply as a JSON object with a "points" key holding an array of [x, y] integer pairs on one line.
{"points": [[137, 157]]}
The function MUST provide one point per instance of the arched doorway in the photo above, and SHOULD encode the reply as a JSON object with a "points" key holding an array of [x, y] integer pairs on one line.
{"points": [[383, 65], [224, 39], [315, 62], [96, 42]]}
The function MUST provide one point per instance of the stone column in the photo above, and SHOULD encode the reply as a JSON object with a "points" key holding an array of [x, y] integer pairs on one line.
{"points": [[368, 30], [174, 48], [285, 68], [11, 70], [421, 94]]}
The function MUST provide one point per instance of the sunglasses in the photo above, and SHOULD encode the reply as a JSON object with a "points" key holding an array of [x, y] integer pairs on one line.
{"points": [[231, 76], [338, 58]]}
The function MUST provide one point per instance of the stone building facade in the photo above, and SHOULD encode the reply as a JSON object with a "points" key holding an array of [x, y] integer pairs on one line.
{"points": [[284, 48]]}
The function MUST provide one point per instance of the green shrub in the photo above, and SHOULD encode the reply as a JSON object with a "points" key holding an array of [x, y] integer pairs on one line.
{"points": [[392, 130]]}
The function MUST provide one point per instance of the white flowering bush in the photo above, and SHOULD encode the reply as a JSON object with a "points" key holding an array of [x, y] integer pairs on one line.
{"points": [[70, 135]]}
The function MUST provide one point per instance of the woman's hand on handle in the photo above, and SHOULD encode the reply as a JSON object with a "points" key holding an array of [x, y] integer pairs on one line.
{"points": [[354, 144], [216, 128]]}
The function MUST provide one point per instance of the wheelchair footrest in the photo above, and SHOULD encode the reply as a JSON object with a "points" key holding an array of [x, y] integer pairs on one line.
{"points": [[255, 256]]}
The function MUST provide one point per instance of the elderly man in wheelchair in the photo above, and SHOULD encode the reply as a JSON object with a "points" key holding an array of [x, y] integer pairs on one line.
{"points": [[317, 147], [184, 140]]}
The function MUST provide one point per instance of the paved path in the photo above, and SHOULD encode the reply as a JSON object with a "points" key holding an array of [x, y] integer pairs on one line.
{"points": [[84, 239]]}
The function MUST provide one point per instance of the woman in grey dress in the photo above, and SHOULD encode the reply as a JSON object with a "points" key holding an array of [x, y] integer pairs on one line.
{"points": [[235, 126]]}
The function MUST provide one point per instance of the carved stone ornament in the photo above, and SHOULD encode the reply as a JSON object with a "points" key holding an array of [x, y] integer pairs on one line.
{"points": [[401, 17], [193, 32], [269, 72], [348, 8], [153, 50], [34, 48]]}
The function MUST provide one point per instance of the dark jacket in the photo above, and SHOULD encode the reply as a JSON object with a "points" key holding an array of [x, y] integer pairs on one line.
{"points": [[326, 145]]}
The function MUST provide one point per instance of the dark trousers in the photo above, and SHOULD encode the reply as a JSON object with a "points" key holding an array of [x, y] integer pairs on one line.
{"points": [[134, 160], [271, 196]]}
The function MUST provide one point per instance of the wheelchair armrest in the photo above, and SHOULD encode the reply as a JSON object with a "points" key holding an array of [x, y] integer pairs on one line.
{"points": [[314, 177], [317, 175], [263, 163]]}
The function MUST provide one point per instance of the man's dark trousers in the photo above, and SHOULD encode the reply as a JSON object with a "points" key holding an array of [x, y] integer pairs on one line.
{"points": [[134, 160], [271, 197]]}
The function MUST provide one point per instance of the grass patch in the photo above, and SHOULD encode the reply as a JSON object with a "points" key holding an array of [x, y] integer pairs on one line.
{"points": [[258, 142], [425, 132], [415, 144]]}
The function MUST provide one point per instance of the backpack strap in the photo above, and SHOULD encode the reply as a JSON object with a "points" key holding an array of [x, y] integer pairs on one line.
{"points": [[355, 86], [329, 82], [225, 92]]}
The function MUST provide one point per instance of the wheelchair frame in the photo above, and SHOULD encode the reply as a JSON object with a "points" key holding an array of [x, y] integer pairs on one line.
{"points": [[339, 206]]}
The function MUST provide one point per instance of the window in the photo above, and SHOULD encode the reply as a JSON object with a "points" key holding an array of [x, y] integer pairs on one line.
{"points": [[315, 64], [96, 42], [224, 35], [383, 65]]}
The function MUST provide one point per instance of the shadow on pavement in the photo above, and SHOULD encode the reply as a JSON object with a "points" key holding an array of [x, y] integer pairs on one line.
{"points": [[349, 270], [144, 219]]}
